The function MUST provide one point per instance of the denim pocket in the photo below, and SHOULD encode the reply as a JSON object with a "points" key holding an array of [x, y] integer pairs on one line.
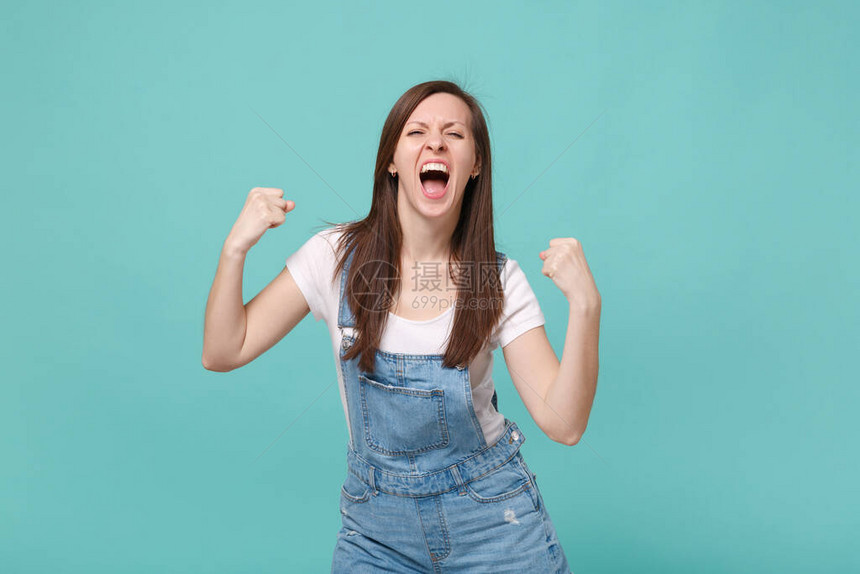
{"points": [[402, 420], [354, 489], [505, 482]]}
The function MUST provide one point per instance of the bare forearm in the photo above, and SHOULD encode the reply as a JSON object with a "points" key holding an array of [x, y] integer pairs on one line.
{"points": [[225, 322], [571, 394]]}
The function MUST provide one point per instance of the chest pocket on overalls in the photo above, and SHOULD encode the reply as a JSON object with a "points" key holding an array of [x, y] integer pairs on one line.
{"points": [[402, 420]]}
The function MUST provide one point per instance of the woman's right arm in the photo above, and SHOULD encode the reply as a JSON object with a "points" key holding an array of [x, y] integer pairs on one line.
{"points": [[234, 333]]}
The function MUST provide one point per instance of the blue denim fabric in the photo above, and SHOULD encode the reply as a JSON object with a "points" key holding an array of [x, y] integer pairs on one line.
{"points": [[424, 492]]}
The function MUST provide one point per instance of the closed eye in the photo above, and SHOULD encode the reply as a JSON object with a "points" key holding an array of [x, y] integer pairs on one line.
{"points": [[455, 134]]}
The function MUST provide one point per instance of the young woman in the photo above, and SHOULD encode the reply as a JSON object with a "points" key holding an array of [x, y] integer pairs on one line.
{"points": [[416, 298]]}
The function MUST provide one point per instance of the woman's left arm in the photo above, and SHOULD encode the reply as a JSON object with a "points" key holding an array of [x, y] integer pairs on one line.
{"points": [[559, 396]]}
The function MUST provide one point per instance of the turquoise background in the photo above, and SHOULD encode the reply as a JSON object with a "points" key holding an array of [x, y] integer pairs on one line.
{"points": [[704, 153]]}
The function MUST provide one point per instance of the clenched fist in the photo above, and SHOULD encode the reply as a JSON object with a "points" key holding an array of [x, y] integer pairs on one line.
{"points": [[265, 208], [564, 263]]}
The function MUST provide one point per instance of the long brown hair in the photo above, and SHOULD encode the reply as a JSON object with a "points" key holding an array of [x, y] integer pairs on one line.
{"points": [[373, 281]]}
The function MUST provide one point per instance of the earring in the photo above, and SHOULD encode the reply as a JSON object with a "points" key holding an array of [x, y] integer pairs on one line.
{"points": [[393, 173]]}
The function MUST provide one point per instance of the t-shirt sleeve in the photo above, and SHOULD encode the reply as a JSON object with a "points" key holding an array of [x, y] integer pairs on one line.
{"points": [[522, 311], [311, 267]]}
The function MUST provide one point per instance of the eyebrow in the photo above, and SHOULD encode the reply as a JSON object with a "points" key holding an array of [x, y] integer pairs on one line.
{"points": [[444, 126]]}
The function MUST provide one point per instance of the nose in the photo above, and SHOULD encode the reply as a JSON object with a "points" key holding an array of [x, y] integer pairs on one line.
{"points": [[435, 141]]}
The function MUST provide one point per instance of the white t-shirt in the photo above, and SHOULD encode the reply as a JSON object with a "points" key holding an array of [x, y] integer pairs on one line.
{"points": [[312, 266]]}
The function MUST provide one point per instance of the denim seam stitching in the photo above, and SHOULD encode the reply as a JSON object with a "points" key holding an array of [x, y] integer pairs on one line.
{"points": [[444, 525], [467, 389], [486, 500], [364, 498]]}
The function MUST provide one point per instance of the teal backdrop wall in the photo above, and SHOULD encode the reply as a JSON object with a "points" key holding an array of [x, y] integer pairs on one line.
{"points": [[704, 153]]}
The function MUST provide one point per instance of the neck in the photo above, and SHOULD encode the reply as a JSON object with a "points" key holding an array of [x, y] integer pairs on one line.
{"points": [[426, 239]]}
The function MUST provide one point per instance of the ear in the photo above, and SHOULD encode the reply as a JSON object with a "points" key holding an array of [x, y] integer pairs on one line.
{"points": [[477, 168], [391, 167]]}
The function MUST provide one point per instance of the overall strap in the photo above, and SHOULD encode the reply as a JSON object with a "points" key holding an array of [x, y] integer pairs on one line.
{"points": [[501, 258], [345, 317]]}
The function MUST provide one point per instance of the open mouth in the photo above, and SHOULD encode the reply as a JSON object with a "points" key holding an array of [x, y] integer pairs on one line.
{"points": [[434, 179]]}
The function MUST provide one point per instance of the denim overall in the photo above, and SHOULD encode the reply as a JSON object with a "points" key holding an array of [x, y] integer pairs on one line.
{"points": [[424, 492]]}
